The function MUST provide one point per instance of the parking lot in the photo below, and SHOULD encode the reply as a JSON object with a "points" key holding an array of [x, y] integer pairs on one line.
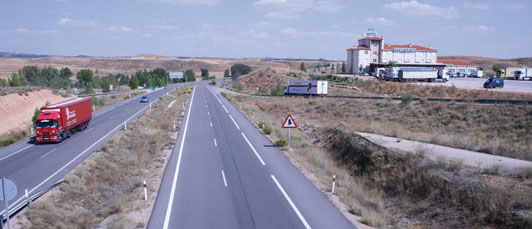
{"points": [[477, 83]]}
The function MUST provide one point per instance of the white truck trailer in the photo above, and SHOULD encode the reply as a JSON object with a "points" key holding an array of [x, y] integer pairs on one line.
{"points": [[306, 87], [413, 74], [519, 73]]}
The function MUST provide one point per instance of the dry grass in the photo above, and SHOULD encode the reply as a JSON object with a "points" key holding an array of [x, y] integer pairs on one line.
{"points": [[501, 130], [108, 184], [380, 186]]}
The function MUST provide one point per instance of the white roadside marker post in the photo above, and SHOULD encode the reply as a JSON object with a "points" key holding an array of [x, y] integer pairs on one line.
{"points": [[333, 183], [145, 191], [31, 130], [125, 125], [150, 105], [174, 124], [288, 138], [27, 197]]}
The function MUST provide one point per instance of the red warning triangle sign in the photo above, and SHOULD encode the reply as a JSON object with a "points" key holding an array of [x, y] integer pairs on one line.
{"points": [[289, 122]]}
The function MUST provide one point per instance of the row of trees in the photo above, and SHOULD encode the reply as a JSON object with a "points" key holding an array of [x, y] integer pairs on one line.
{"points": [[237, 70], [61, 78], [334, 68]]}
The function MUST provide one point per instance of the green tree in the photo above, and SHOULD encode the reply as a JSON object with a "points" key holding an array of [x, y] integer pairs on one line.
{"points": [[65, 73], [123, 79], [36, 114], [31, 74], [360, 69], [278, 90], [302, 66], [3, 82], [17, 80], [204, 73], [134, 82], [84, 76], [190, 76], [159, 76], [226, 73], [497, 68], [343, 67], [318, 66], [239, 69]]}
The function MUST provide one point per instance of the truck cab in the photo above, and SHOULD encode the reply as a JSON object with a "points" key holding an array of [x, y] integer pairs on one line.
{"points": [[47, 127]]}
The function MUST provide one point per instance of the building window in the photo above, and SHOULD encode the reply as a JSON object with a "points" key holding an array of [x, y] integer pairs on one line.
{"points": [[375, 52], [374, 60], [366, 52]]}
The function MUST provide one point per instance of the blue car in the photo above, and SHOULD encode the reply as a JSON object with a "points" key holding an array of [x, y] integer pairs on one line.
{"points": [[144, 99], [494, 82]]}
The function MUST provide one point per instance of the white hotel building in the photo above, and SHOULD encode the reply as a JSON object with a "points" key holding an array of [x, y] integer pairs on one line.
{"points": [[371, 52]]}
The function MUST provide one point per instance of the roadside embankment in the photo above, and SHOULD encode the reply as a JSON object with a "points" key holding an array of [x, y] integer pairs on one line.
{"points": [[106, 190]]}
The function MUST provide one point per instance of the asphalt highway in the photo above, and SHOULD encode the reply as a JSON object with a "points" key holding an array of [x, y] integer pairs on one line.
{"points": [[35, 167], [223, 173]]}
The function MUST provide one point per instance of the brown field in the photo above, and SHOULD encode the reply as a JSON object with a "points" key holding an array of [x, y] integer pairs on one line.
{"points": [[130, 65]]}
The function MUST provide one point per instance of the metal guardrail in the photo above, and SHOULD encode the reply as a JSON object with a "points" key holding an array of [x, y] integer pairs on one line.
{"points": [[475, 101], [16, 207]]}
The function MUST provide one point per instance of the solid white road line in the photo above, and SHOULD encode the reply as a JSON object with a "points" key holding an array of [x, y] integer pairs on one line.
{"points": [[215, 144], [79, 155], [225, 109], [253, 148], [223, 176], [18, 151], [172, 193], [49, 152], [219, 100], [234, 122], [291, 203], [211, 124]]}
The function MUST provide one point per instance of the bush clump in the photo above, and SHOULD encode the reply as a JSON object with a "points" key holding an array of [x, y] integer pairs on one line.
{"points": [[281, 143], [406, 99], [266, 129]]}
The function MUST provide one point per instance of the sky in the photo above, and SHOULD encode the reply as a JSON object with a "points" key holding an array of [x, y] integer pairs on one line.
{"points": [[262, 28]]}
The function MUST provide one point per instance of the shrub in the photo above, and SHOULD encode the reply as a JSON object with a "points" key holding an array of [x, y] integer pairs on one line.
{"points": [[281, 143], [239, 69], [406, 99], [278, 90], [213, 82], [260, 124], [35, 114], [267, 129], [238, 86]]}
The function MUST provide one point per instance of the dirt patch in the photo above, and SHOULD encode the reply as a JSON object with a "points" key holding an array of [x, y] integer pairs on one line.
{"points": [[18, 109]]}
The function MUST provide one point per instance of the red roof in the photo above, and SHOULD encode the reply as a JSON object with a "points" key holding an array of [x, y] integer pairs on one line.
{"points": [[455, 62], [417, 47], [359, 48], [370, 38]]}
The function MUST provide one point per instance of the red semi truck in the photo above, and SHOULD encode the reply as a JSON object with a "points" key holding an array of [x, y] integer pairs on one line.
{"points": [[58, 121]]}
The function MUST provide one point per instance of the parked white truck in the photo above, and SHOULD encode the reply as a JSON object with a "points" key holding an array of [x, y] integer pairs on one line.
{"points": [[306, 87], [414, 74], [519, 73]]}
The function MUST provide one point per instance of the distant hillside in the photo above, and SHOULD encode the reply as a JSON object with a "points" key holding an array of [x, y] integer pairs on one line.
{"points": [[20, 55], [487, 63]]}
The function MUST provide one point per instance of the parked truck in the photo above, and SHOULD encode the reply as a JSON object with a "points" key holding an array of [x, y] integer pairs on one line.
{"points": [[306, 87], [519, 73], [59, 121], [413, 74]]}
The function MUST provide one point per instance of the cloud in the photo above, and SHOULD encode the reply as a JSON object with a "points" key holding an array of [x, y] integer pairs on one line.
{"points": [[481, 28], [68, 21], [381, 21], [183, 2], [29, 31], [278, 15], [289, 31], [162, 27], [290, 9], [514, 6], [476, 6], [415, 8], [119, 29]]}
